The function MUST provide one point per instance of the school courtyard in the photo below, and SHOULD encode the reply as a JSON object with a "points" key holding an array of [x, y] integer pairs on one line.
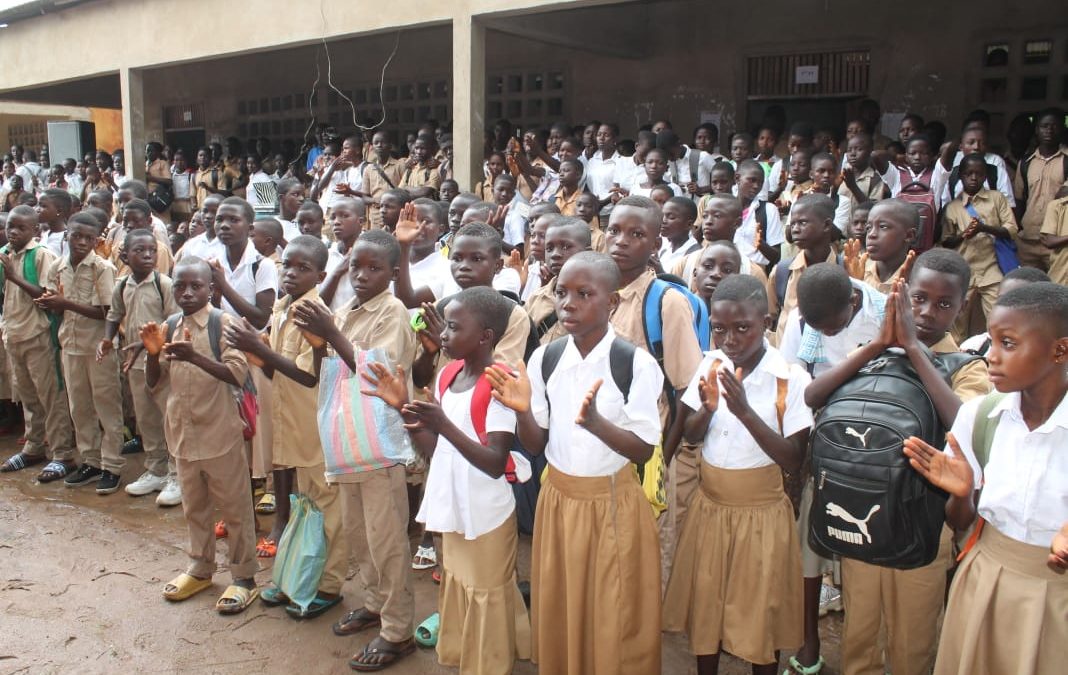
{"points": [[80, 582]]}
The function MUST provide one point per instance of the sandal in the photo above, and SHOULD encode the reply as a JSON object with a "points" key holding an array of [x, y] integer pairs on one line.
{"points": [[435, 576], [19, 461], [220, 529], [236, 599], [272, 596], [425, 557], [266, 548], [55, 470], [356, 621], [795, 667], [426, 634], [185, 586], [266, 506], [392, 653], [319, 605]]}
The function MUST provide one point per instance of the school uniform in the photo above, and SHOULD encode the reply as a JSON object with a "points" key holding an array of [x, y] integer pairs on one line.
{"points": [[117, 240], [600, 172], [745, 235], [795, 269], [516, 221], [595, 572], [484, 622], [290, 229], [344, 292], [352, 176], [204, 433], [420, 176], [993, 209], [57, 243], [597, 239], [870, 185], [566, 204], [1006, 611], [377, 178], [940, 178], [1056, 224], [203, 248], [93, 389], [374, 504], [248, 283], [533, 281], [133, 304], [871, 277], [669, 256], [296, 435], [211, 177], [182, 186], [736, 582], [679, 170], [903, 605], [540, 306], [35, 366], [1045, 176], [484, 190], [157, 169]]}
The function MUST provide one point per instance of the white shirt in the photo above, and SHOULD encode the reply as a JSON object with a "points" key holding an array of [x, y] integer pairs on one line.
{"points": [[290, 229], [571, 448], [74, 183], [203, 248], [459, 497], [533, 280], [669, 258], [679, 169], [746, 234], [515, 223], [626, 172], [728, 444], [636, 188], [28, 178], [862, 329], [600, 172], [345, 292], [242, 281], [57, 243], [433, 272], [181, 183], [941, 177], [353, 176], [1025, 485], [505, 280], [975, 342]]}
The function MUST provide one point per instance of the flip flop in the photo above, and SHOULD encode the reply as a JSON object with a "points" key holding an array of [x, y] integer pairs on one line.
{"points": [[55, 470], [319, 605], [236, 599], [797, 669], [435, 576], [266, 548], [356, 621], [220, 529], [272, 596], [394, 653], [185, 586], [427, 632], [425, 557], [19, 461], [266, 506]]}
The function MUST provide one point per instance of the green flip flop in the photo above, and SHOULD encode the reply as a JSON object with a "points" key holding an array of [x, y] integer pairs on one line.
{"points": [[427, 632]]}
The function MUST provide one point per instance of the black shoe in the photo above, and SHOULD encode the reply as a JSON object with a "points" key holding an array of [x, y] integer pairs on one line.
{"points": [[133, 446], [84, 475], [109, 482]]}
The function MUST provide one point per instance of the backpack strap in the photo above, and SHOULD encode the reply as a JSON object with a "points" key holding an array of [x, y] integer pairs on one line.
{"points": [[172, 325], [782, 279], [215, 331], [761, 215], [695, 163], [546, 324], [620, 363], [984, 427], [480, 402]]}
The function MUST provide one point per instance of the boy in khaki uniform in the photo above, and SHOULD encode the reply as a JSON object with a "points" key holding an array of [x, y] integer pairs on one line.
{"points": [[78, 289], [374, 503], [383, 172], [1055, 236], [33, 357], [142, 297], [290, 362], [204, 432], [421, 179]]}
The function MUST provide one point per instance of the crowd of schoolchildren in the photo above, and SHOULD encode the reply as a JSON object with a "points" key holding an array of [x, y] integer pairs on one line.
{"points": [[712, 388]]}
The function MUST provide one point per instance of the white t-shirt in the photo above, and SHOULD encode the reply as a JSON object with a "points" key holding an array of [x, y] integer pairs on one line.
{"points": [[507, 280], [515, 223], [811, 347], [353, 176], [433, 272], [290, 229], [669, 258], [1025, 484], [345, 292], [533, 280], [203, 248], [600, 173], [728, 444], [181, 184], [571, 448], [746, 234], [242, 279], [459, 497]]}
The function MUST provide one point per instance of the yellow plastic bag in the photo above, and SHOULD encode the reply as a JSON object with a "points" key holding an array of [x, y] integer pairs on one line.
{"points": [[652, 480]]}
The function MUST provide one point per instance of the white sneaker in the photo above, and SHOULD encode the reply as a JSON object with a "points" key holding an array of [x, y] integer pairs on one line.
{"points": [[171, 495], [146, 484], [830, 599]]}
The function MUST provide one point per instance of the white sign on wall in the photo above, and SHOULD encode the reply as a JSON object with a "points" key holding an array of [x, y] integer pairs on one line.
{"points": [[807, 75]]}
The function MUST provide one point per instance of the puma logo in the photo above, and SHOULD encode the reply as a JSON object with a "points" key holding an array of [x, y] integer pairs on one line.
{"points": [[862, 525], [863, 437]]}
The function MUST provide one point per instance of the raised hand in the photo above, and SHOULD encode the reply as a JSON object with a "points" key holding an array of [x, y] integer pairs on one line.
{"points": [[853, 260], [391, 388], [153, 338], [904, 323], [708, 387], [430, 337], [181, 350], [888, 333], [588, 413], [510, 388], [314, 321], [407, 230], [951, 472], [497, 218], [427, 414], [906, 268]]}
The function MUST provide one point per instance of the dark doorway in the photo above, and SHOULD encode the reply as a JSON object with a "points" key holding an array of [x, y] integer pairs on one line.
{"points": [[188, 140]]}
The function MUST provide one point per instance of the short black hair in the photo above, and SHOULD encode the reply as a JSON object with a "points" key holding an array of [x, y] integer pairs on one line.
{"points": [[399, 194], [749, 166], [383, 240], [61, 198], [485, 232], [823, 157], [247, 212], [723, 165], [602, 263], [575, 225], [313, 247], [654, 216], [100, 214], [822, 290], [436, 211], [1030, 275], [920, 137], [1046, 301], [540, 209], [906, 211], [312, 206], [575, 163], [973, 158], [358, 203], [139, 189], [802, 129], [492, 309], [1056, 113], [688, 206], [192, 261], [272, 226], [139, 205], [735, 203], [484, 209], [723, 243], [287, 184], [83, 218], [944, 261], [742, 288], [820, 205], [135, 234]]}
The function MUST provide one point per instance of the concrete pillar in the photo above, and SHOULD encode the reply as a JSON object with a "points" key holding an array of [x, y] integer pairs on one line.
{"points": [[133, 121], [468, 98]]}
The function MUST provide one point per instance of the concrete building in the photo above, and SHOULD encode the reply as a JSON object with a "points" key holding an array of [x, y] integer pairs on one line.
{"points": [[186, 71]]}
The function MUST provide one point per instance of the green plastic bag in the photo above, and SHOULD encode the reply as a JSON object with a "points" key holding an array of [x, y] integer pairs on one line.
{"points": [[301, 557]]}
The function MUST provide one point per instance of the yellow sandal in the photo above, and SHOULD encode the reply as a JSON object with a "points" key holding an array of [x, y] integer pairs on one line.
{"points": [[185, 586], [236, 599]]}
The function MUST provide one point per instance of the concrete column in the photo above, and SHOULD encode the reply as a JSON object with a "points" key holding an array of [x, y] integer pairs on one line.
{"points": [[133, 121], [468, 98]]}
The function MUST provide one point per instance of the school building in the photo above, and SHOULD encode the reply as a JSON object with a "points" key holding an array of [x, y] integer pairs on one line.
{"points": [[189, 71]]}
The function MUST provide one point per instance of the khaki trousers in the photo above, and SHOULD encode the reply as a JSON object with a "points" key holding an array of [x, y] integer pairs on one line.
{"points": [[262, 455], [311, 481], [221, 482], [964, 327], [158, 460], [95, 408], [375, 513], [36, 384]]}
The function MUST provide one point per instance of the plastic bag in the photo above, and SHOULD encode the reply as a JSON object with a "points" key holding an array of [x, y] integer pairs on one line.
{"points": [[301, 557]]}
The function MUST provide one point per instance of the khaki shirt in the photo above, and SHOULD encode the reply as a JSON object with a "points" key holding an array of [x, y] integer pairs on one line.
{"points": [[797, 268], [567, 204], [993, 209], [374, 184], [91, 283], [133, 304], [597, 239], [419, 176], [200, 418], [24, 320], [970, 381], [1044, 178], [293, 406], [209, 176], [1056, 224], [871, 277], [540, 305], [682, 353]]}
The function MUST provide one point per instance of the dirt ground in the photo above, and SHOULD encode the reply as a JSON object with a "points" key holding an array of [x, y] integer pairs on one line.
{"points": [[80, 583]]}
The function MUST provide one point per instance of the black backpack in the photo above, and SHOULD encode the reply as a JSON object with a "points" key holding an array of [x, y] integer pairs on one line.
{"points": [[869, 504]]}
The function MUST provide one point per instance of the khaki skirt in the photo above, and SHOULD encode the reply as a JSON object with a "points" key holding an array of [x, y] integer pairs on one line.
{"points": [[1007, 613], [596, 577], [736, 582], [484, 622]]}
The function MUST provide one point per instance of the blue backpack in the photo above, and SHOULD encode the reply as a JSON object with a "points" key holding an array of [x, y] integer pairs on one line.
{"points": [[653, 320]]}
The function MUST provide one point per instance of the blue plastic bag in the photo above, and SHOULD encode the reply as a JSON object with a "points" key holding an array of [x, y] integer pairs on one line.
{"points": [[301, 557]]}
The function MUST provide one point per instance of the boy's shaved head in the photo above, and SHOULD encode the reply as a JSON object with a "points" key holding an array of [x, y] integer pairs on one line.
{"points": [[313, 247], [819, 205], [1044, 302], [191, 264], [742, 288], [727, 202], [541, 208], [355, 203], [944, 261], [383, 240], [651, 213], [139, 205], [822, 291], [601, 264], [483, 231], [900, 211], [270, 227], [492, 309], [750, 166], [312, 208], [574, 226]]}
